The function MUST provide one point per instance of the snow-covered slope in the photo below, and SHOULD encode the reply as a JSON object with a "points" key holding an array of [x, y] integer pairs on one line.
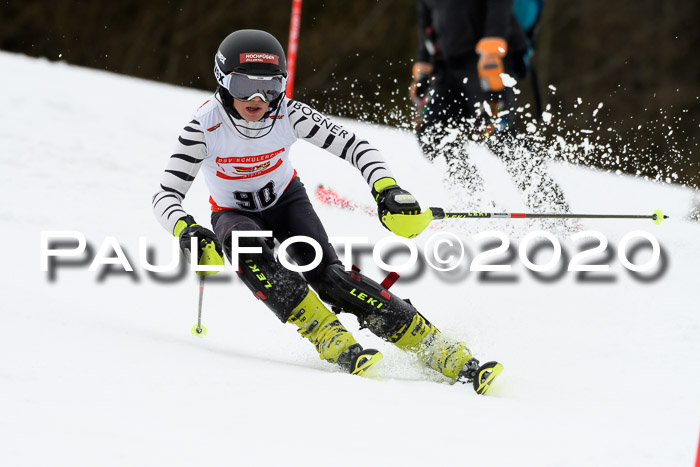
{"points": [[101, 369]]}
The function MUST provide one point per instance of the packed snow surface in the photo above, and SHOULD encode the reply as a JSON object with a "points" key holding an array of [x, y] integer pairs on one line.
{"points": [[99, 367]]}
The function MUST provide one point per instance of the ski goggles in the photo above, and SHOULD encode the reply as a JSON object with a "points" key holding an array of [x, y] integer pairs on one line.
{"points": [[247, 87]]}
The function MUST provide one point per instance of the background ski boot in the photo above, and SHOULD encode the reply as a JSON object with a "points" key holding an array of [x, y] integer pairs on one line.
{"points": [[480, 376]]}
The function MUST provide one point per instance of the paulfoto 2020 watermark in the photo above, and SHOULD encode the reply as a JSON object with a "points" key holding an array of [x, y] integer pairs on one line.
{"points": [[444, 252]]}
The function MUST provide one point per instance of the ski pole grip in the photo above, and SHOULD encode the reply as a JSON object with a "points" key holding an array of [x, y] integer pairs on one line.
{"points": [[438, 213]]}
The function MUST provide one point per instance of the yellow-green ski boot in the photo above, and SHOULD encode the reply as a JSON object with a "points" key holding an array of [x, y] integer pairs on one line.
{"points": [[452, 359], [332, 341]]}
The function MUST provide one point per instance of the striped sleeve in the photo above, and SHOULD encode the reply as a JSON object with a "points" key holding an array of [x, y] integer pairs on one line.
{"points": [[310, 125], [179, 173]]}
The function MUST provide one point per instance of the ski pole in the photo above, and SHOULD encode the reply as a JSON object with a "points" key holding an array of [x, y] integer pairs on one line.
{"points": [[411, 225], [438, 213], [199, 330]]}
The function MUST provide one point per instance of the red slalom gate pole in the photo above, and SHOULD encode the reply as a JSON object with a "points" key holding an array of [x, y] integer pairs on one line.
{"points": [[293, 45]]}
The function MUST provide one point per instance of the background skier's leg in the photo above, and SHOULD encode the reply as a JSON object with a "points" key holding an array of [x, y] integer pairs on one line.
{"points": [[444, 132]]}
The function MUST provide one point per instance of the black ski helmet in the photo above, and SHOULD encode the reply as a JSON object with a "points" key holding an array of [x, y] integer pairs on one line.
{"points": [[250, 52]]}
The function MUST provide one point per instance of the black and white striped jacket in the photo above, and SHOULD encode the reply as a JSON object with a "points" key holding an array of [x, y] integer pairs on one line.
{"points": [[246, 165]]}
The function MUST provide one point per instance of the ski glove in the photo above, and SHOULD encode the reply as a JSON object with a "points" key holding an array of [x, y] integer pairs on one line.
{"points": [[392, 199], [209, 251], [397, 208], [421, 80], [491, 51]]}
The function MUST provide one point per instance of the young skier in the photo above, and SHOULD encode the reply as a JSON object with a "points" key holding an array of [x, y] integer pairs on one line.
{"points": [[240, 140]]}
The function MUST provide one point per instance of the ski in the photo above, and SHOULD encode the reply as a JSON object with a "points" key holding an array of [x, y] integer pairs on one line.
{"points": [[330, 197], [481, 376], [365, 361], [485, 375]]}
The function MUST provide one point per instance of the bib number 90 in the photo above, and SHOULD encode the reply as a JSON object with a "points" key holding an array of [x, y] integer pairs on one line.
{"points": [[260, 199]]}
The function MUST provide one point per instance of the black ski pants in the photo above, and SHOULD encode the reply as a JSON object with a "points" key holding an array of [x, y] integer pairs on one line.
{"points": [[455, 93], [282, 289], [292, 215]]}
